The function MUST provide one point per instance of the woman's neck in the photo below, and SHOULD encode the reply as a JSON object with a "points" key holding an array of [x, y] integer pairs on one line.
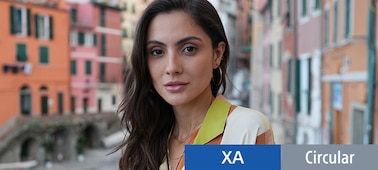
{"points": [[189, 117]]}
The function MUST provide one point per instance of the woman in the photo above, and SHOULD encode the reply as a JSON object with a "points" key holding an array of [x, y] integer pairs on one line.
{"points": [[172, 92]]}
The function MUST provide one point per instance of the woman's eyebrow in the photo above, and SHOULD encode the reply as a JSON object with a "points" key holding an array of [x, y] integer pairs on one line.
{"points": [[155, 42], [186, 39]]}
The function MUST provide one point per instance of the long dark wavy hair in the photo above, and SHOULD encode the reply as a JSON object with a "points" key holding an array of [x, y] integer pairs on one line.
{"points": [[146, 116]]}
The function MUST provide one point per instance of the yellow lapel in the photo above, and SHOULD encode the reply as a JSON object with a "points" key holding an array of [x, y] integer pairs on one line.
{"points": [[214, 122]]}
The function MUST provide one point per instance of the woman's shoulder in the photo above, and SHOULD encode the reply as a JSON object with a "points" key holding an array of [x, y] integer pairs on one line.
{"points": [[248, 116], [244, 125]]}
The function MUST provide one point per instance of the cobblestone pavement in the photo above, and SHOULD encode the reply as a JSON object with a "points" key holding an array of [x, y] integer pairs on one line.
{"points": [[95, 159]]}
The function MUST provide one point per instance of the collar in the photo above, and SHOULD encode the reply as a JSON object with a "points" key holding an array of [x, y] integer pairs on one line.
{"points": [[214, 122]]}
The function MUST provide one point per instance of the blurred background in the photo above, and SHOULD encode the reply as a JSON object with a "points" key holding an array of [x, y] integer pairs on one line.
{"points": [[309, 65]]}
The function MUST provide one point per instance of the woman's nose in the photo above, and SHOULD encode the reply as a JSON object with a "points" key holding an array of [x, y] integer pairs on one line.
{"points": [[174, 65]]}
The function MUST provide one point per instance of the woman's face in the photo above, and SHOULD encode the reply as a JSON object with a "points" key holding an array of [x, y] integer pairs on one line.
{"points": [[181, 58]]}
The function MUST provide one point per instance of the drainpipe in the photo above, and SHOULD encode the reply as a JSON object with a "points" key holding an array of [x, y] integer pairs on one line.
{"points": [[371, 73]]}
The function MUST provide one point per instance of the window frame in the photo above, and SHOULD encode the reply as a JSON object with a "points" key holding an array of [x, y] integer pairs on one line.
{"points": [[19, 28]]}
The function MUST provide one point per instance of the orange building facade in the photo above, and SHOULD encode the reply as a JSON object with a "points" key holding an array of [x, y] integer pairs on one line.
{"points": [[35, 60], [344, 79]]}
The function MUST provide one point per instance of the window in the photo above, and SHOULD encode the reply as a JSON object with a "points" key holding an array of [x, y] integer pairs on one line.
{"points": [[271, 101], [348, 17], [94, 39], [85, 105], [73, 38], [317, 5], [60, 102], [21, 53], [279, 8], [289, 75], [309, 86], [102, 16], [43, 55], [133, 9], [20, 21], [102, 72], [279, 54], [25, 100], [288, 15], [124, 8], [113, 100], [271, 55], [103, 45], [336, 20], [73, 106], [43, 26], [73, 67], [44, 100], [124, 33], [326, 27], [88, 67], [89, 39], [73, 15], [81, 38], [304, 12]]}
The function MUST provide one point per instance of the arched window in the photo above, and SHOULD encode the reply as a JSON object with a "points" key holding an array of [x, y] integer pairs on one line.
{"points": [[25, 100]]}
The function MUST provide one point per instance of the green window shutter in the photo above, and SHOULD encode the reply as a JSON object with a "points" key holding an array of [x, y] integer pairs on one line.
{"points": [[309, 88], [297, 86], [51, 27], [102, 72], [21, 52], [28, 22], [336, 21], [304, 8], [289, 75], [271, 101], [103, 45], [347, 18], [43, 55], [36, 18], [81, 38], [73, 16], [73, 67], [271, 55], [102, 16], [94, 39], [12, 21], [88, 67]]}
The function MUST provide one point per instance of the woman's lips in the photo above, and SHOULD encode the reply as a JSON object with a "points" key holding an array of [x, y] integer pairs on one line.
{"points": [[175, 86]]}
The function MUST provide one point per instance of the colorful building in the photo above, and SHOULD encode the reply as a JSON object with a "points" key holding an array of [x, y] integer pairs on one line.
{"points": [[309, 58], [83, 54], [35, 63], [289, 53], [344, 68]]}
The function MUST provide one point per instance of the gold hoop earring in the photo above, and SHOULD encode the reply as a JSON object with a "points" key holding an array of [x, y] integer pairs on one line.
{"points": [[220, 76]]}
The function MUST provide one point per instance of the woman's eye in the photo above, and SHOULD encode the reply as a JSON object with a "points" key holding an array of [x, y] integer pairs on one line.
{"points": [[156, 52], [189, 49]]}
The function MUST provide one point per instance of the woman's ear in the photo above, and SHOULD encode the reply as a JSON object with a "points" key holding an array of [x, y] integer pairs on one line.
{"points": [[218, 54]]}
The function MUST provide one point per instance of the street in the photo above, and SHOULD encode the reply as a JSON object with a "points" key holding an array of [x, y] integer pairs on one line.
{"points": [[95, 159]]}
